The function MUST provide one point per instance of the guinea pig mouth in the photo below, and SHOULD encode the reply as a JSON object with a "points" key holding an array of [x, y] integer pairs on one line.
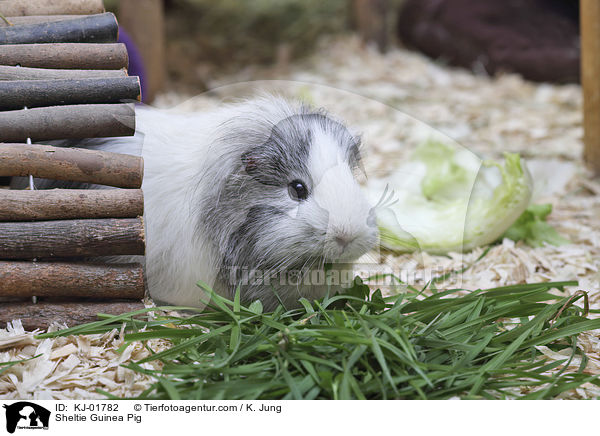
{"points": [[345, 251]]}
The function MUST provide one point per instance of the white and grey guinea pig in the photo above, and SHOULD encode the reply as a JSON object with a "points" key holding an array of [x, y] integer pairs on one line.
{"points": [[243, 196]]}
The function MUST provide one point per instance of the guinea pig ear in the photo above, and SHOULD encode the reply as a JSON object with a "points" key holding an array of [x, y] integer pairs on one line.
{"points": [[354, 155], [256, 166], [250, 163]]}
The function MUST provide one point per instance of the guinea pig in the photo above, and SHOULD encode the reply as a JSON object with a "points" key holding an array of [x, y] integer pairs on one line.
{"points": [[260, 195]]}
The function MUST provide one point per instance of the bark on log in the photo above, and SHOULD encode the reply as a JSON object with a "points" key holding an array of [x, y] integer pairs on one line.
{"points": [[74, 164], [72, 238], [22, 73], [37, 93], [42, 314], [75, 280], [50, 7], [35, 19], [93, 28], [66, 55], [67, 122], [63, 204], [590, 70]]}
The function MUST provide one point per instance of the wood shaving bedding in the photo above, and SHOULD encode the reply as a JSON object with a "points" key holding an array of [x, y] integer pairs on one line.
{"points": [[73, 367], [385, 96]]}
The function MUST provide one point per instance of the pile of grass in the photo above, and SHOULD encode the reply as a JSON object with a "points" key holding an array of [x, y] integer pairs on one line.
{"points": [[358, 346]]}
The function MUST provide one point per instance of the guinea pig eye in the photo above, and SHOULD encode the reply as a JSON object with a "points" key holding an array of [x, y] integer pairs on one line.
{"points": [[297, 190]]}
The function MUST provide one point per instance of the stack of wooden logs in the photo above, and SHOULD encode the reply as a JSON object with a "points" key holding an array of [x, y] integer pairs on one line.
{"points": [[63, 76]]}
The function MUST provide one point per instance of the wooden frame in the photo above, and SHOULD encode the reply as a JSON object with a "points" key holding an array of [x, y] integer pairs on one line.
{"points": [[62, 76], [590, 81]]}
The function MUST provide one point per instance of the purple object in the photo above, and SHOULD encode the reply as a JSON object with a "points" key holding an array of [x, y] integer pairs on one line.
{"points": [[136, 62]]}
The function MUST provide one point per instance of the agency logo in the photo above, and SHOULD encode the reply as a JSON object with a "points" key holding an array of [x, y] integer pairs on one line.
{"points": [[26, 415]]}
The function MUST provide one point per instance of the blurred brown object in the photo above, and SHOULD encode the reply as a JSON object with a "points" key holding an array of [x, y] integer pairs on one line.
{"points": [[538, 39], [371, 21], [590, 72], [144, 21], [208, 38]]}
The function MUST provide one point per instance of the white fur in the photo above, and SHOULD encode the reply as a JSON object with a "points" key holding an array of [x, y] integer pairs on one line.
{"points": [[337, 192]]}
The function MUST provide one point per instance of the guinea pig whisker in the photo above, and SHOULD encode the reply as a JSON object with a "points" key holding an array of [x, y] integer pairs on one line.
{"points": [[382, 197], [386, 198]]}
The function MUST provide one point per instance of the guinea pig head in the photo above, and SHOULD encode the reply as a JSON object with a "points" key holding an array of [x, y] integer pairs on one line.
{"points": [[313, 209]]}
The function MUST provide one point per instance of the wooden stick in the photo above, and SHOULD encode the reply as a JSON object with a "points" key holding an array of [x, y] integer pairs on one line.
{"points": [[35, 19], [43, 314], [50, 7], [371, 21], [93, 28], [72, 238], [137, 16], [67, 122], [37, 93], [63, 204], [75, 164], [74, 280], [66, 55], [590, 80], [23, 73]]}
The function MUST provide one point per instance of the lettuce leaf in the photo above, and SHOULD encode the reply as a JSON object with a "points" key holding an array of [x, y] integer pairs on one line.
{"points": [[448, 199], [531, 227]]}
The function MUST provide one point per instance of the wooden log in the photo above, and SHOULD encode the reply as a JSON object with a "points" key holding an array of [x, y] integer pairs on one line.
{"points": [[93, 28], [62, 204], [35, 19], [23, 73], [84, 56], [50, 7], [75, 164], [590, 72], [136, 17], [372, 21], [72, 238], [43, 314], [67, 122], [38, 93], [74, 280]]}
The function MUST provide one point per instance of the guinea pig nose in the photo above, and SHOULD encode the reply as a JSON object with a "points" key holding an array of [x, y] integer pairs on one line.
{"points": [[343, 240]]}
